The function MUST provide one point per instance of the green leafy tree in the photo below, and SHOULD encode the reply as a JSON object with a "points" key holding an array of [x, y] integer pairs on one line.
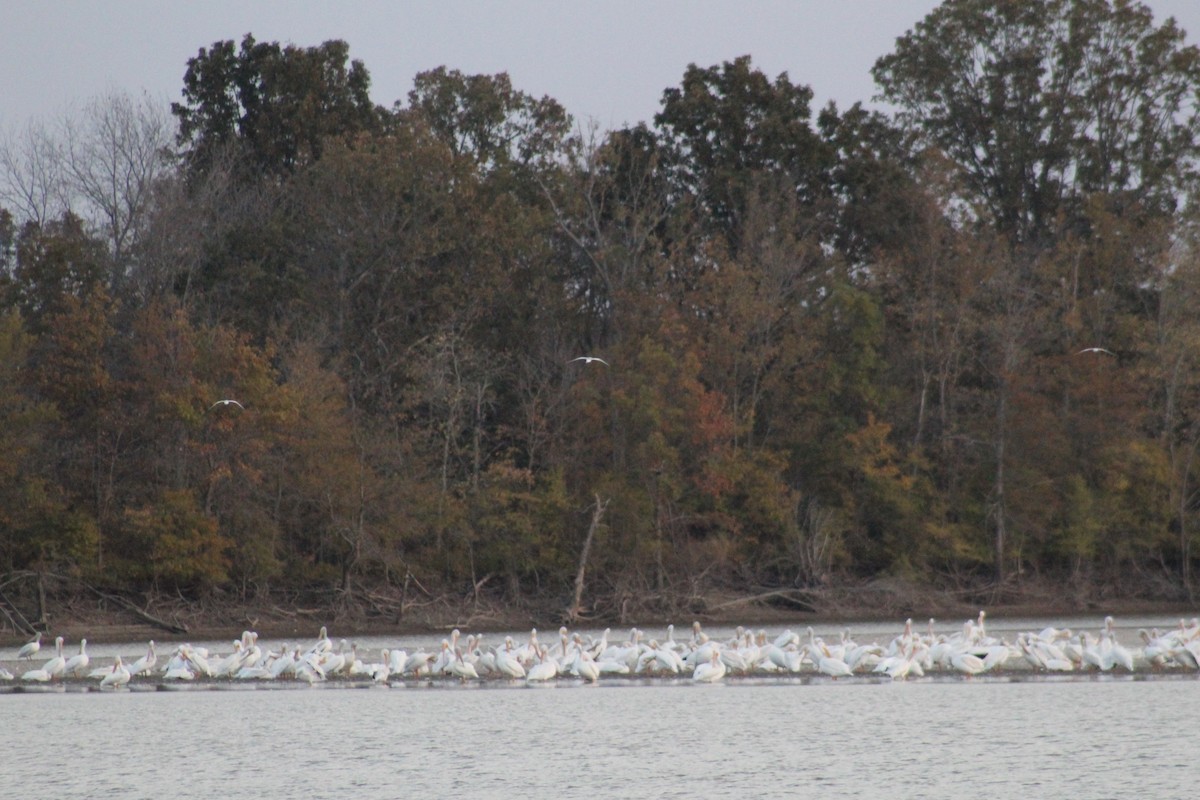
{"points": [[730, 127], [484, 118], [276, 104], [1043, 104]]}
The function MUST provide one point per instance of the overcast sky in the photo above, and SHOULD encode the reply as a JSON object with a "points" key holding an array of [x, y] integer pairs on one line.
{"points": [[606, 60]]}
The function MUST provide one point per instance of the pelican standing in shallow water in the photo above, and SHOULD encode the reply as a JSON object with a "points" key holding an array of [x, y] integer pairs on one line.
{"points": [[58, 664], [710, 671], [118, 676], [78, 663], [145, 663], [30, 649]]}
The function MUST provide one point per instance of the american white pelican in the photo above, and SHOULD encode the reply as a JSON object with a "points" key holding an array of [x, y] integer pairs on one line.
{"points": [[57, 665], [118, 676], [230, 663], [544, 670], [285, 664], [585, 666], [323, 643], [827, 664], [334, 663], [966, 663], [308, 669], [710, 671], [30, 649], [145, 664], [419, 664], [1121, 656], [507, 663], [1089, 655], [462, 669], [382, 671], [199, 661], [76, 664], [253, 673]]}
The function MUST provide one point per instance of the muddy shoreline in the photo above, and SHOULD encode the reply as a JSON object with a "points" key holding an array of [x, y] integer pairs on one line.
{"points": [[102, 623]]}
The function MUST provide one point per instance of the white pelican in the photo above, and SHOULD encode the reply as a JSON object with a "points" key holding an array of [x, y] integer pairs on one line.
{"points": [[118, 676], [335, 662], [182, 671], [308, 669], [285, 664], [1187, 654], [1120, 654], [710, 671], [419, 664], [30, 649], [1154, 649], [230, 663], [507, 663], [827, 664], [461, 668], [58, 664], [544, 670], [77, 663], [966, 663], [323, 643], [1089, 656], [382, 671], [146, 663], [250, 672], [585, 666]]}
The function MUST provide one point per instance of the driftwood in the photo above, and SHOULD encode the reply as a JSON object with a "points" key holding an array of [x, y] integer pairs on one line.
{"points": [[170, 627], [794, 597], [15, 617]]}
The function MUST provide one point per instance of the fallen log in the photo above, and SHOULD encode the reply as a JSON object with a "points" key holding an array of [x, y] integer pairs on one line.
{"points": [[170, 627], [790, 596]]}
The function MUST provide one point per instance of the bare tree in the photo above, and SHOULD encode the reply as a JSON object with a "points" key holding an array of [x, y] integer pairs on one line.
{"points": [[32, 179], [115, 152]]}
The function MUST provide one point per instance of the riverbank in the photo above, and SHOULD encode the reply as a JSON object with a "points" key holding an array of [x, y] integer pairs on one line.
{"points": [[104, 621]]}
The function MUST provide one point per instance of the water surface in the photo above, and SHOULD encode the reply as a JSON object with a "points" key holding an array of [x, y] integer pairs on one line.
{"points": [[934, 738]]}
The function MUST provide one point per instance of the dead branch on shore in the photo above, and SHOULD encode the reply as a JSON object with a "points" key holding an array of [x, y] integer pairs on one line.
{"points": [[170, 627], [799, 598]]}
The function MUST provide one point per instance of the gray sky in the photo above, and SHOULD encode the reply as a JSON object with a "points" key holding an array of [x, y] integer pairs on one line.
{"points": [[607, 60]]}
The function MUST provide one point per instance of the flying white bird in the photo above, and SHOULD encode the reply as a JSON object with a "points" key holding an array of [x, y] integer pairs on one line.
{"points": [[1095, 350], [227, 403], [589, 359]]}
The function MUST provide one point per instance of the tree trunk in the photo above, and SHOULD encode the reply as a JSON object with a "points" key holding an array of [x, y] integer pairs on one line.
{"points": [[574, 612], [1000, 511]]}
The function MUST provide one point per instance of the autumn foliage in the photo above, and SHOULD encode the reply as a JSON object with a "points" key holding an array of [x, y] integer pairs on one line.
{"points": [[839, 348]]}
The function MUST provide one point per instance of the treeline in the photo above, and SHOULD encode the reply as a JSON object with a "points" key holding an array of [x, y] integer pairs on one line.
{"points": [[958, 344]]}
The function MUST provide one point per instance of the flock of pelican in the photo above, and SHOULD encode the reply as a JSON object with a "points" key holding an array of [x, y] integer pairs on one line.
{"points": [[968, 651]]}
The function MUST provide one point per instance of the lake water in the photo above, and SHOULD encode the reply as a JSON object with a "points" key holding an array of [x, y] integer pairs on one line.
{"points": [[1106, 736]]}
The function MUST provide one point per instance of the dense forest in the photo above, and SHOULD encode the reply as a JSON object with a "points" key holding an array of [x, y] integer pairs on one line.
{"points": [[956, 344]]}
